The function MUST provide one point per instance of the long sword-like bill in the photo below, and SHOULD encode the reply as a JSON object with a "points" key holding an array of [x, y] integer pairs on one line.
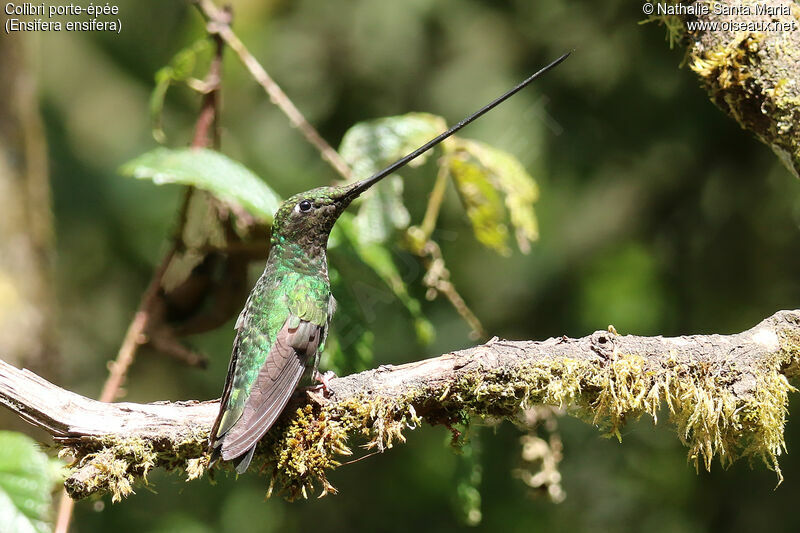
{"points": [[359, 187]]}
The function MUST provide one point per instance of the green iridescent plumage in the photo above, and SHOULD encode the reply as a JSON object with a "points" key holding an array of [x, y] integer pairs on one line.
{"points": [[299, 296], [284, 323]]}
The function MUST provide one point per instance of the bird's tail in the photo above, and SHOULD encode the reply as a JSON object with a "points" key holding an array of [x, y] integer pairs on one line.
{"points": [[241, 463], [215, 449]]}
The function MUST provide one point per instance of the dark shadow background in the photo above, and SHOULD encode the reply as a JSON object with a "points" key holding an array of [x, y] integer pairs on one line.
{"points": [[658, 215]]}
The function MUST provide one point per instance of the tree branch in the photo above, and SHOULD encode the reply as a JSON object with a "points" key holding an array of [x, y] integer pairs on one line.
{"points": [[726, 395], [751, 71]]}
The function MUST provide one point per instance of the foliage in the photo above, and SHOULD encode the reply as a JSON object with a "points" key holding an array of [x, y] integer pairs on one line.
{"points": [[624, 145], [482, 175], [480, 172], [27, 480], [370, 146], [206, 169]]}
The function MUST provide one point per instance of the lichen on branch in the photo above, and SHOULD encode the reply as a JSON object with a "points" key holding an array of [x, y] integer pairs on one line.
{"points": [[748, 59], [726, 396]]}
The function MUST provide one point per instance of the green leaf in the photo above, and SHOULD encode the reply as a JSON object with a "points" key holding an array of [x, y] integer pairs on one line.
{"points": [[211, 171], [519, 187], [474, 165], [27, 480], [382, 211], [368, 147], [481, 201]]}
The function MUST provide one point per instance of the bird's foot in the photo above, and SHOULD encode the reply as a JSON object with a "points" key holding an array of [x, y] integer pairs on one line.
{"points": [[320, 392], [324, 379]]}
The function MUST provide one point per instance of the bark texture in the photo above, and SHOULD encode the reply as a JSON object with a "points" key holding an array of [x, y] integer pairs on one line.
{"points": [[725, 394], [752, 71]]}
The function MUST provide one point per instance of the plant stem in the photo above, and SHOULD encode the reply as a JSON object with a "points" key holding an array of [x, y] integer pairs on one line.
{"points": [[435, 202], [206, 134], [219, 24]]}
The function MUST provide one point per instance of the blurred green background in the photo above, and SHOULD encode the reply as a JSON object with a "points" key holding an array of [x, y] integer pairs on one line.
{"points": [[658, 214]]}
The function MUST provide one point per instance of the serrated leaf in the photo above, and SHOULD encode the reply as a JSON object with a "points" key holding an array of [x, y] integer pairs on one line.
{"points": [[371, 145], [368, 147], [482, 202], [505, 174], [519, 187], [27, 479], [211, 171], [382, 212]]}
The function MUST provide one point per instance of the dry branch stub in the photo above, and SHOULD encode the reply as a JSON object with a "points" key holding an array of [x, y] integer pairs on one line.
{"points": [[726, 395]]}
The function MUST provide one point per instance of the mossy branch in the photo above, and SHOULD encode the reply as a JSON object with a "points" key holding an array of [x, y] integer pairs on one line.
{"points": [[725, 394], [751, 75]]}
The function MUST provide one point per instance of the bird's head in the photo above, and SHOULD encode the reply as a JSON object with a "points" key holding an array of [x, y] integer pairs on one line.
{"points": [[308, 217]]}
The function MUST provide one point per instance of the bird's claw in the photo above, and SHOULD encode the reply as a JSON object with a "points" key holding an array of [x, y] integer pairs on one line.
{"points": [[324, 379], [323, 386]]}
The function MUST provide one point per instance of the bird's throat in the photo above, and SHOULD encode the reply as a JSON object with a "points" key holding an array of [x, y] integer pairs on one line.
{"points": [[308, 259]]}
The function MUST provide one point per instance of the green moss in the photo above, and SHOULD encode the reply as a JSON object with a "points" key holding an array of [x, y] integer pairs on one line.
{"points": [[302, 449], [719, 410], [113, 468], [710, 418], [114, 465], [790, 349], [747, 79]]}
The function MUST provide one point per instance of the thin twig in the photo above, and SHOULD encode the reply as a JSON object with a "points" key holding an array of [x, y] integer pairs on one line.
{"points": [[65, 506], [447, 288], [219, 25], [206, 134], [437, 278], [208, 120], [435, 202]]}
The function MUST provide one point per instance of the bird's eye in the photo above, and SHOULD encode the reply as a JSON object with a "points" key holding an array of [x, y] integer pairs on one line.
{"points": [[304, 206]]}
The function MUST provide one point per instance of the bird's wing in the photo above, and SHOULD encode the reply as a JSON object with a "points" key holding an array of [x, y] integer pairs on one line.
{"points": [[223, 421], [295, 344], [237, 381]]}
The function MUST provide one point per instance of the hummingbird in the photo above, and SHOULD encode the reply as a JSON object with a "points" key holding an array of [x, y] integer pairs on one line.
{"points": [[281, 331]]}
